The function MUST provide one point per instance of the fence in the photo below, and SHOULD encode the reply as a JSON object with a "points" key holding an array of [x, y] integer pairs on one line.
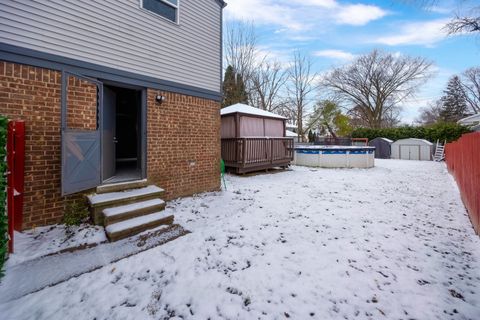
{"points": [[463, 162]]}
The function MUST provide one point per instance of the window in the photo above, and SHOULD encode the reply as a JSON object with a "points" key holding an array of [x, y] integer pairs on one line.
{"points": [[165, 8]]}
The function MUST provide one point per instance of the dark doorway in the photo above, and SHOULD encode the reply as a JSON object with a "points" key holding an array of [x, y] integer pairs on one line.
{"points": [[121, 134]]}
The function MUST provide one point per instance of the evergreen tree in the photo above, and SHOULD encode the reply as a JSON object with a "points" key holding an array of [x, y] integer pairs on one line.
{"points": [[454, 101], [233, 88], [310, 136]]}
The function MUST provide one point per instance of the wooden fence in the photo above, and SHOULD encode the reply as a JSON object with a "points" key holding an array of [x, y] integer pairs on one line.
{"points": [[250, 154], [463, 162]]}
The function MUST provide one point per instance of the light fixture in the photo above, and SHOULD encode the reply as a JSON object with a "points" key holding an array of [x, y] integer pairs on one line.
{"points": [[159, 98]]}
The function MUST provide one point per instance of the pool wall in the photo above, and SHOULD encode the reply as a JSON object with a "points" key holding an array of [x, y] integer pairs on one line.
{"points": [[335, 156]]}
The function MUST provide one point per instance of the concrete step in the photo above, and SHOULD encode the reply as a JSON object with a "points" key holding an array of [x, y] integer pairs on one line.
{"points": [[121, 186], [136, 225], [99, 202], [133, 210]]}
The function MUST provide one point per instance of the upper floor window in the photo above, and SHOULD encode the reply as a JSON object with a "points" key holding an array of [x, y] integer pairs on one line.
{"points": [[165, 8]]}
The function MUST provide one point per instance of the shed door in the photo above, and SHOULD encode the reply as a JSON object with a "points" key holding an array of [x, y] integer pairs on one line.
{"points": [[410, 152], [81, 105]]}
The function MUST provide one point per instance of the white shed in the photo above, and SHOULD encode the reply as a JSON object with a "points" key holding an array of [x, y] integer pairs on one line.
{"points": [[412, 149]]}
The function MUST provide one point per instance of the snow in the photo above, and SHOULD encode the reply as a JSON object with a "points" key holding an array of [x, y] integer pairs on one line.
{"points": [[34, 275], [111, 212], [391, 242], [97, 199], [135, 222], [243, 108], [42, 241]]}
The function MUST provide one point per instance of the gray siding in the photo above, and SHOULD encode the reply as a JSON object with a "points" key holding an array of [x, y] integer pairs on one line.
{"points": [[121, 35]]}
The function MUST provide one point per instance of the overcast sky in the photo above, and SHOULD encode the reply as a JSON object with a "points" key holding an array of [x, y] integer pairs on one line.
{"points": [[333, 32]]}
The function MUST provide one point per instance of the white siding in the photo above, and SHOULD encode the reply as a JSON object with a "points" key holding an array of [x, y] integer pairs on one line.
{"points": [[121, 35]]}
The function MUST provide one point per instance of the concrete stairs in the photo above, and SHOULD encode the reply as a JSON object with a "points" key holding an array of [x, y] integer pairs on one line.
{"points": [[128, 208]]}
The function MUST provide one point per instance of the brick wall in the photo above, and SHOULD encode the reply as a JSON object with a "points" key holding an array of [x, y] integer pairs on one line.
{"points": [[33, 94], [82, 104], [183, 144], [183, 139]]}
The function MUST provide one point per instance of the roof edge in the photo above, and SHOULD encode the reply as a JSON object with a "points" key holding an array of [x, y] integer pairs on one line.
{"points": [[222, 3]]}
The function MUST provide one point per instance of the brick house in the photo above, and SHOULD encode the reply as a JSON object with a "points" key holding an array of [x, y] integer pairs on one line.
{"points": [[112, 92]]}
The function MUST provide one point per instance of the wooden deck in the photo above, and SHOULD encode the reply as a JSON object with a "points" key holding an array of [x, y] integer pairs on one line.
{"points": [[252, 154]]}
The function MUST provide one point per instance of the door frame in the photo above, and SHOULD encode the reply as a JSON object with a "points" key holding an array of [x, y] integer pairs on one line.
{"points": [[143, 126]]}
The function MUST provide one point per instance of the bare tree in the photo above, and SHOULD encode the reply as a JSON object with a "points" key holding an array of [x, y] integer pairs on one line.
{"points": [[471, 86], [240, 48], [466, 22], [375, 84], [301, 83], [267, 81], [466, 19], [431, 113]]}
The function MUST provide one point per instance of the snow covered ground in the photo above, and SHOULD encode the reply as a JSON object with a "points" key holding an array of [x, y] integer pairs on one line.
{"points": [[392, 242], [43, 241]]}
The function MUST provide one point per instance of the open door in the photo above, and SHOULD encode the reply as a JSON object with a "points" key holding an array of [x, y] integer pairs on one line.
{"points": [[81, 118]]}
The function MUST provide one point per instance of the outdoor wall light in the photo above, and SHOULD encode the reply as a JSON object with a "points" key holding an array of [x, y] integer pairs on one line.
{"points": [[159, 98]]}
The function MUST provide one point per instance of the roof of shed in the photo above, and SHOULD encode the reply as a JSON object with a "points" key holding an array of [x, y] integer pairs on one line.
{"points": [[414, 139], [243, 108], [385, 139]]}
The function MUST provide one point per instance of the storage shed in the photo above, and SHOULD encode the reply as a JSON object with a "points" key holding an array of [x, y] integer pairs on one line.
{"points": [[412, 149], [382, 147], [254, 139]]}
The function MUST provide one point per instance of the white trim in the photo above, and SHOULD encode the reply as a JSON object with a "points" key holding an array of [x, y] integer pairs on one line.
{"points": [[177, 9]]}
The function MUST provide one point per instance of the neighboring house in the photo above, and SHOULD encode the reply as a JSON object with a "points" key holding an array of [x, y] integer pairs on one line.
{"points": [[471, 121], [112, 91], [295, 136], [254, 139]]}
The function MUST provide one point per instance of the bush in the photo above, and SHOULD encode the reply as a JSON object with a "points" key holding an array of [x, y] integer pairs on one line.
{"points": [[439, 131], [3, 195], [75, 214]]}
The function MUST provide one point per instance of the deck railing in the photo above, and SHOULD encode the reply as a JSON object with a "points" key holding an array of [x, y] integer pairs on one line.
{"points": [[251, 152]]}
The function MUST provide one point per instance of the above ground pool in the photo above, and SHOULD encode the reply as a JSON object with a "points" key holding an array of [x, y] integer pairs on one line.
{"points": [[334, 156]]}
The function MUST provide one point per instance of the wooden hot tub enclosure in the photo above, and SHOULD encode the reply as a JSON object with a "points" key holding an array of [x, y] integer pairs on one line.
{"points": [[254, 139], [251, 154]]}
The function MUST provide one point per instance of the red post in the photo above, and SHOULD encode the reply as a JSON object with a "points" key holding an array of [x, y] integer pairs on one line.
{"points": [[19, 175], [15, 177], [10, 179]]}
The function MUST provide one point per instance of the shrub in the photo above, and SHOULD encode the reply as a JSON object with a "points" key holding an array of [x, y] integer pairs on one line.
{"points": [[75, 214], [439, 131], [3, 196]]}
